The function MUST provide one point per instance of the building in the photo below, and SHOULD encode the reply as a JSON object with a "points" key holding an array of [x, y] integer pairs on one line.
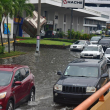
{"points": [[59, 18]]}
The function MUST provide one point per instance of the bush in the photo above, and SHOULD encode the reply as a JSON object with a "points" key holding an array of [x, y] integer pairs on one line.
{"points": [[60, 34], [2, 48]]}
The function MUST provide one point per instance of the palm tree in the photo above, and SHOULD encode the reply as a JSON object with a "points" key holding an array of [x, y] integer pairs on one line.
{"points": [[23, 6], [7, 10]]}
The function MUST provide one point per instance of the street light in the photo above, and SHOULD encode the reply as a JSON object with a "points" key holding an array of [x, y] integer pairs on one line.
{"points": [[38, 29]]}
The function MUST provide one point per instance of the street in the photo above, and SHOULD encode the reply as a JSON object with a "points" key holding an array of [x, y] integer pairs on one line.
{"points": [[44, 68]]}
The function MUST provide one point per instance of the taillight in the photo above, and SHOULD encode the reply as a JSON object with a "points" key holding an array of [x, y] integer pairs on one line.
{"points": [[52, 33]]}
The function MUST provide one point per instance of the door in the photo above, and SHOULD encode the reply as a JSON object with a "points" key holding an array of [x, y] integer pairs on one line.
{"points": [[25, 81], [17, 89]]}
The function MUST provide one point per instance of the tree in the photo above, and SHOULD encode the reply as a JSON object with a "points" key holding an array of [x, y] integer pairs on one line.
{"points": [[23, 6], [7, 10]]}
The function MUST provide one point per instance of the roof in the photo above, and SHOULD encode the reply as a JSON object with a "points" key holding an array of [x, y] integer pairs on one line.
{"points": [[93, 45], [9, 67], [86, 62]]}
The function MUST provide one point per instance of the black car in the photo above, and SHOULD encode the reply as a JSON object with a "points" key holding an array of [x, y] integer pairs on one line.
{"points": [[105, 43], [80, 80]]}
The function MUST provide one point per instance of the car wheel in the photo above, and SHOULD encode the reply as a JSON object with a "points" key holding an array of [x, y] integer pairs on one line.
{"points": [[98, 56], [10, 105], [32, 95]]}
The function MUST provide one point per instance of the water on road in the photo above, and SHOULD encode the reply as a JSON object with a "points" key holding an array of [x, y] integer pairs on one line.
{"points": [[44, 68]]}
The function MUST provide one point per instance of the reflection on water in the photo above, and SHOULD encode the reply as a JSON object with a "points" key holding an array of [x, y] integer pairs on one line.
{"points": [[44, 68]]}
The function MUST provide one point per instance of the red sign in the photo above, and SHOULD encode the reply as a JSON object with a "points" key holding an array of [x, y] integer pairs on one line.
{"points": [[64, 1]]}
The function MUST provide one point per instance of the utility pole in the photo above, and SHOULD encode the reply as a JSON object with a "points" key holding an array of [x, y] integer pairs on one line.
{"points": [[71, 22], [38, 29]]}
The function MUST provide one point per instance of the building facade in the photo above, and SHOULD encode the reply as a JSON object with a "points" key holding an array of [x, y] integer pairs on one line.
{"points": [[59, 18]]}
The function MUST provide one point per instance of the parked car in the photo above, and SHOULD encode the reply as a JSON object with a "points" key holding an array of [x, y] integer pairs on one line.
{"points": [[98, 32], [80, 80], [50, 34], [107, 55], [95, 39], [105, 42], [92, 32], [16, 86], [42, 34], [79, 45], [92, 51]]}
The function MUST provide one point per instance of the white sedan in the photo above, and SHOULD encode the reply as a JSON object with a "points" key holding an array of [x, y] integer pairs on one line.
{"points": [[79, 45], [92, 51]]}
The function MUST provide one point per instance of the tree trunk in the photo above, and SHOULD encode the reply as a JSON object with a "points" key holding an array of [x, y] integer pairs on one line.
{"points": [[16, 32], [1, 32], [8, 37]]}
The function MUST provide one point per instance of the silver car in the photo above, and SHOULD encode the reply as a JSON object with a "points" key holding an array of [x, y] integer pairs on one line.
{"points": [[95, 39], [79, 45], [107, 55]]}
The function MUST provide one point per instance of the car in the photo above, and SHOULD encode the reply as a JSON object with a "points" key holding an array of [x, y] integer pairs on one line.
{"points": [[92, 32], [105, 42], [79, 45], [98, 32], [107, 55], [95, 39], [42, 33], [16, 86], [81, 79], [92, 51], [50, 34]]}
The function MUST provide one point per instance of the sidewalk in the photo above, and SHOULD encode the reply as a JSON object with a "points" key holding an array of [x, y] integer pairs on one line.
{"points": [[5, 41]]}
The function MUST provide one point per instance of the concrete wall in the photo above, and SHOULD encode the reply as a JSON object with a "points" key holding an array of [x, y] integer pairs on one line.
{"points": [[10, 21], [103, 105]]}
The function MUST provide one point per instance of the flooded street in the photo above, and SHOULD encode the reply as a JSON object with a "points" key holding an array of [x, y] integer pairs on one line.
{"points": [[44, 68]]}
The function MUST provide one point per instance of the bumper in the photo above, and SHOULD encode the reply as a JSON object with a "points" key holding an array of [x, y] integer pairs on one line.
{"points": [[2, 106], [69, 98], [76, 48], [89, 56]]}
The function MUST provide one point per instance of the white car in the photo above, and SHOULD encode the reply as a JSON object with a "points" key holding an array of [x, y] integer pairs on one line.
{"points": [[95, 39], [107, 55], [79, 45], [98, 32], [92, 51]]}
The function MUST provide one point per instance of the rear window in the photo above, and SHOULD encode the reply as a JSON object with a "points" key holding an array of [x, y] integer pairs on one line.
{"points": [[5, 77]]}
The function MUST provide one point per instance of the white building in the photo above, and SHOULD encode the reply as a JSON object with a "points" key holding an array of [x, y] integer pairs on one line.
{"points": [[100, 5], [59, 18]]}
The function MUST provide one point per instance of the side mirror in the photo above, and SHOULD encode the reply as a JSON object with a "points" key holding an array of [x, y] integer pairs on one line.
{"points": [[105, 75], [59, 73], [17, 83]]}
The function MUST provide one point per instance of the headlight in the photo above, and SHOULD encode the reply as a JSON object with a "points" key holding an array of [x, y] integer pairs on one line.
{"points": [[58, 87], [2, 95], [80, 46], [90, 89]]}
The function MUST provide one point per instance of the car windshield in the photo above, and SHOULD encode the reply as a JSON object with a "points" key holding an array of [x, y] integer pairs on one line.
{"points": [[80, 42], [5, 77], [90, 48], [107, 51], [81, 71], [104, 41], [95, 38]]}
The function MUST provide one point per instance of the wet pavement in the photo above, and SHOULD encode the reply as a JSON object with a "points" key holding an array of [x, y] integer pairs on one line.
{"points": [[44, 68]]}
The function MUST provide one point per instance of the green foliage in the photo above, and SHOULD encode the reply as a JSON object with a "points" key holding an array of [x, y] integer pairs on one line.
{"points": [[2, 48], [23, 37], [60, 34]]}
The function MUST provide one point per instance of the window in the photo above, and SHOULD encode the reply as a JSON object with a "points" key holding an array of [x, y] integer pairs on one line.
{"points": [[64, 17], [27, 71], [17, 76], [23, 73]]}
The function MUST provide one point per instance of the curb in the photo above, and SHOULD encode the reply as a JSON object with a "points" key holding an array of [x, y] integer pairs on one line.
{"points": [[42, 46]]}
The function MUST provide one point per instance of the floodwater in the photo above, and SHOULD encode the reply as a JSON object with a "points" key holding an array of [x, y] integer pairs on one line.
{"points": [[44, 68]]}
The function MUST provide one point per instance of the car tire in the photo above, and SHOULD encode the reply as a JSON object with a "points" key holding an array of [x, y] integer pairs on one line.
{"points": [[98, 57], [32, 95], [10, 105]]}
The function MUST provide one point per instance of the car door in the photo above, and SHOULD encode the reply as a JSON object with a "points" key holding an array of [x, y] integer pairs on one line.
{"points": [[25, 81], [104, 70], [17, 89]]}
